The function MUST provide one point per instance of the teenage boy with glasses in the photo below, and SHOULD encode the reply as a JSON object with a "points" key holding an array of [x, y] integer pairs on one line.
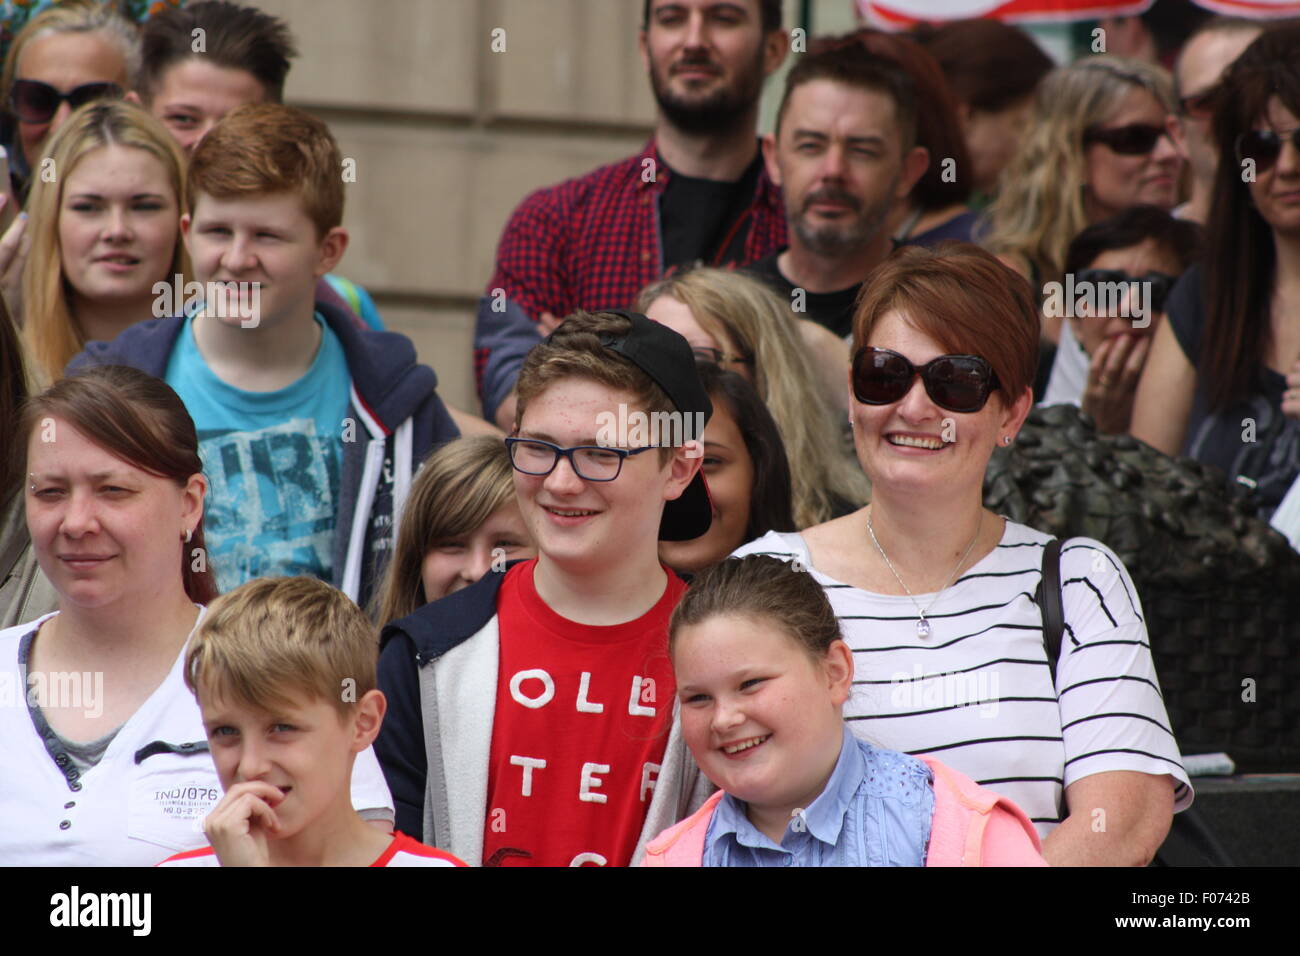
{"points": [[531, 715]]}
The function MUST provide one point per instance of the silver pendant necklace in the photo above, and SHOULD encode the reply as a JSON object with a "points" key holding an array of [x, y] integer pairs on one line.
{"points": [[923, 627]]}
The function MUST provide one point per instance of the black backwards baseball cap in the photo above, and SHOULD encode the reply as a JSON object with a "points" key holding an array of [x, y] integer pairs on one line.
{"points": [[667, 358]]}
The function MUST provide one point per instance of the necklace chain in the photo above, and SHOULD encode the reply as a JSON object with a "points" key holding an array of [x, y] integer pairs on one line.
{"points": [[922, 625]]}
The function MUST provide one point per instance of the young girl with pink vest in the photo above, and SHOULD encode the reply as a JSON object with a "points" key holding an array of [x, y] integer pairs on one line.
{"points": [[762, 675]]}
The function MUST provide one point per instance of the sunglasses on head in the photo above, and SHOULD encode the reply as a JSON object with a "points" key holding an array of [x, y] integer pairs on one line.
{"points": [[1199, 105], [959, 383], [1264, 146], [1160, 282], [1136, 139], [36, 102]]}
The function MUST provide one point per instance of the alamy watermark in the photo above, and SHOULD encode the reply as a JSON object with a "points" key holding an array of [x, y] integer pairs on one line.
{"points": [[634, 428], [59, 690], [921, 691], [1085, 299], [221, 300]]}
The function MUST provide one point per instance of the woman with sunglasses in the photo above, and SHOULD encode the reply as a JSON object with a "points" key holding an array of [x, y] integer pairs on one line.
{"points": [[1097, 145], [1223, 381], [103, 232], [1123, 269], [737, 321], [68, 55], [935, 593]]}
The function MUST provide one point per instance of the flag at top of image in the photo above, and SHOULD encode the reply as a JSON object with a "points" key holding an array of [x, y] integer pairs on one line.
{"points": [[904, 14]]}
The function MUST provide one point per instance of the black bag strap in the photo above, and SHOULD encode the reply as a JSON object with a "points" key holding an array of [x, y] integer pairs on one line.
{"points": [[1049, 600], [1191, 840]]}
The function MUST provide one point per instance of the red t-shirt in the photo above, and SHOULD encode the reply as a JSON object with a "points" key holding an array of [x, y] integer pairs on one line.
{"points": [[582, 719]]}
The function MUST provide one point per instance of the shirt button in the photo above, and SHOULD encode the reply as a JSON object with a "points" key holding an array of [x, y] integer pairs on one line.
{"points": [[65, 824], [61, 760], [74, 786], [70, 804], [645, 257]]}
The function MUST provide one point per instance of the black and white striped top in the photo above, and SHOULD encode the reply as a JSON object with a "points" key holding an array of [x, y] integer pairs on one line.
{"points": [[977, 693]]}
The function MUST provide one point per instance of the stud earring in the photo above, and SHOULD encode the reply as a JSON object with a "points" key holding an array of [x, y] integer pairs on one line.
{"points": [[1006, 439], [189, 533]]}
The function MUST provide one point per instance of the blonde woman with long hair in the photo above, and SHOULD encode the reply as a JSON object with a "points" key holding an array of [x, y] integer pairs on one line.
{"points": [[105, 229], [460, 519], [1098, 144], [739, 322]]}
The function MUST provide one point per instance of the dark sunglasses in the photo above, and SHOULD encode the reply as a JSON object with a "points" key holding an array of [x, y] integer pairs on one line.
{"points": [[704, 353], [1199, 105], [1160, 282], [1264, 146], [959, 383], [1136, 139], [36, 102]]}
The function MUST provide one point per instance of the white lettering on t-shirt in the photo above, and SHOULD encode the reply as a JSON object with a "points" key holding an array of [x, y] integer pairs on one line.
{"points": [[582, 858], [529, 764], [585, 706], [590, 782], [648, 782], [633, 706], [548, 688]]}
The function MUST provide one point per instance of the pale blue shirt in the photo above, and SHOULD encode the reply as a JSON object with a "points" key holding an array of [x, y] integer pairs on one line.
{"points": [[876, 810], [272, 460]]}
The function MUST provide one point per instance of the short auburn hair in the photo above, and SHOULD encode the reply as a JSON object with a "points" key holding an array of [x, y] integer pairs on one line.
{"points": [[270, 637], [271, 148], [963, 298], [574, 350]]}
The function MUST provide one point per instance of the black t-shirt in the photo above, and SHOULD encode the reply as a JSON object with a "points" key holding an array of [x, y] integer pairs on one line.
{"points": [[834, 310], [705, 219], [1272, 461]]}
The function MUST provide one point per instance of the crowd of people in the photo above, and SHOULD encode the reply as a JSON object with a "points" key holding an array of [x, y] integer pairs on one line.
{"points": [[710, 581]]}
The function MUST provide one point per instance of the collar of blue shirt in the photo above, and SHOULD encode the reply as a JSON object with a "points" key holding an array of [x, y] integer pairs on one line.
{"points": [[823, 820]]}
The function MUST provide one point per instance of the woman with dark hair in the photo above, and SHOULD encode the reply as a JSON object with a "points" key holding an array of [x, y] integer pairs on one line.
{"points": [[24, 591], [1120, 273], [103, 764], [747, 471], [1222, 383], [993, 69], [937, 206], [935, 593]]}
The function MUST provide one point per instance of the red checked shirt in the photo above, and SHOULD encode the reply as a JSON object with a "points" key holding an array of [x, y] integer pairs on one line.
{"points": [[582, 719], [594, 242]]}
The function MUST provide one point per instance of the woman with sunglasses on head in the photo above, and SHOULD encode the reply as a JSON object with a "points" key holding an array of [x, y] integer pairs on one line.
{"points": [[104, 232], [1122, 270], [70, 54], [1097, 144], [1223, 381], [935, 593], [736, 321]]}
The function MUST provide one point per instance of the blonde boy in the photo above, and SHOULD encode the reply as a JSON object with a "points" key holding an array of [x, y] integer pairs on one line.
{"points": [[284, 672]]}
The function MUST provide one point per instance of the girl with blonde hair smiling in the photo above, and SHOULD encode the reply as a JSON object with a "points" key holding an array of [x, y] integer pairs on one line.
{"points": [[105, 228], [736, 321], [461, 515]]}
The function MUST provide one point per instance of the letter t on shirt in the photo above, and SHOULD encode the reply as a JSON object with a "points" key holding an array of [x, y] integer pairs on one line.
{"points": [[582, 719]]}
